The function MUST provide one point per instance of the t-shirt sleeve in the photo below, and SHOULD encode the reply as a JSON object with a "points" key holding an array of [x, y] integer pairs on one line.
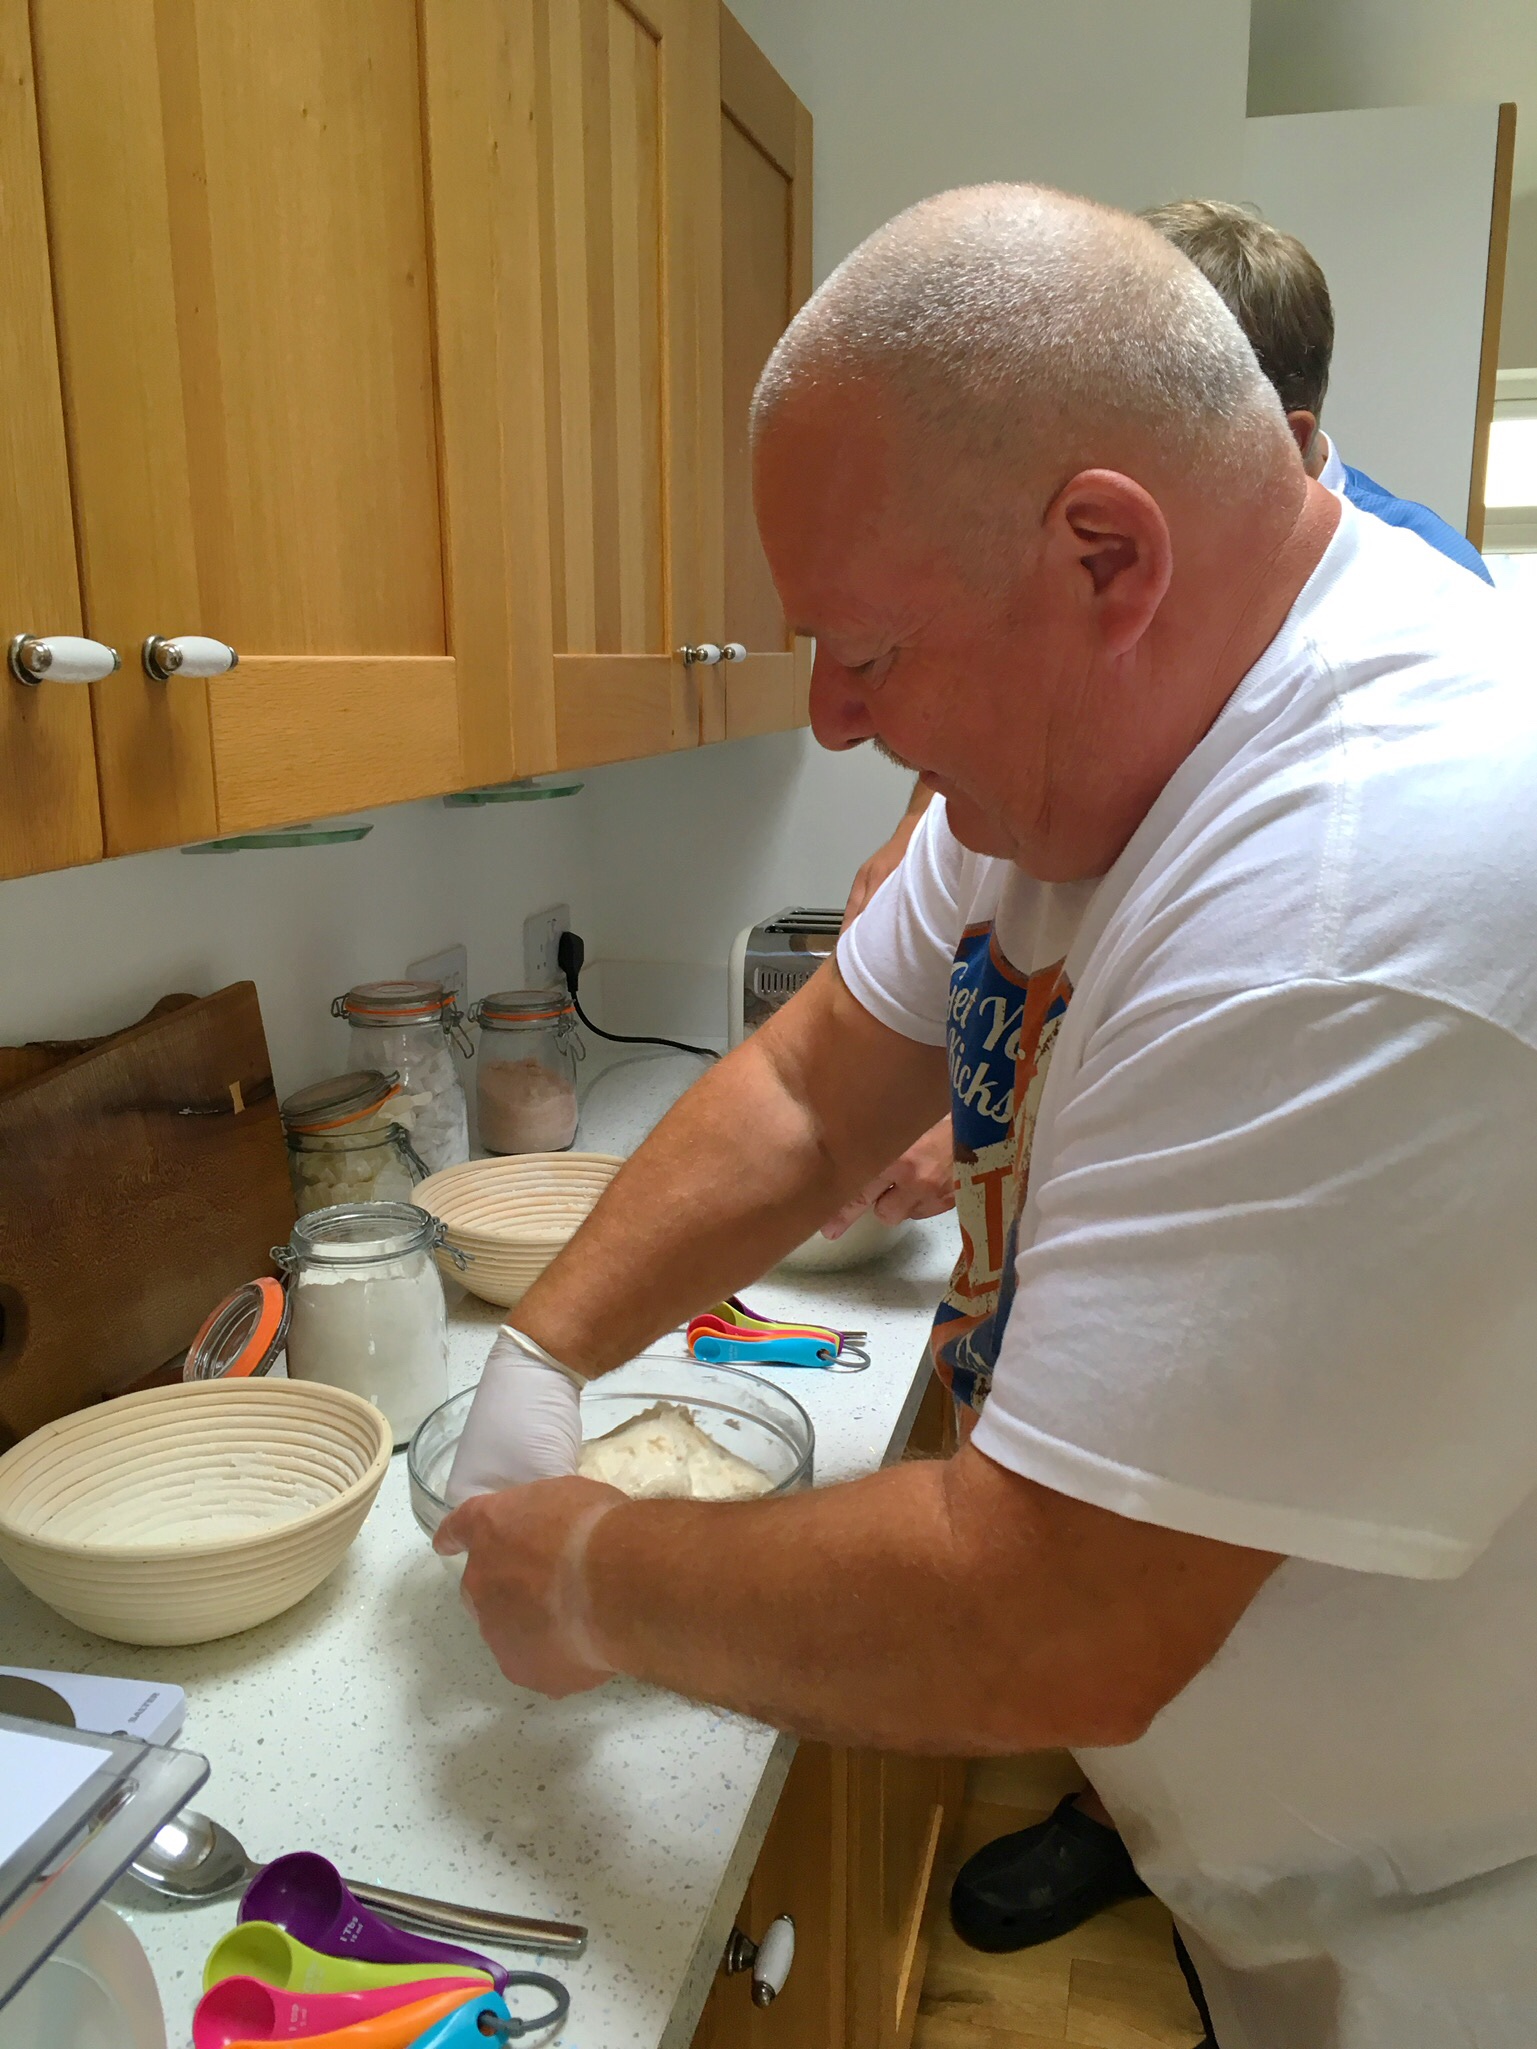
{"points": [[1278, 1285], [897, 955]]}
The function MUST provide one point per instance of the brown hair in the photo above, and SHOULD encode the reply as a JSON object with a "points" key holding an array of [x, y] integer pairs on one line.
{"points": [[1271, 283]]}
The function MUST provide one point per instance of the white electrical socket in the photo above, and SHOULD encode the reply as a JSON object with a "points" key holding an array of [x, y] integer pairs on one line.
{"points": [[541, 938], [451, 967]]}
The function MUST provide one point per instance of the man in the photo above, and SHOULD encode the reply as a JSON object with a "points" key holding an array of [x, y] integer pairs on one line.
{"points": [[1247, 1515], [1038, 1883], [1280, 298]]}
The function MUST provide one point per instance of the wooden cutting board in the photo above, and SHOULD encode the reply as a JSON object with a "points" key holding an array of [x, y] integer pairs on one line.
{"points": [[139, 1183]]}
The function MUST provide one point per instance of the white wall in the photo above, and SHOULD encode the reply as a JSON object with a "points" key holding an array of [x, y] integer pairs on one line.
{"points": [[1406, 260], [662, 861], [89, 949], [1308, 55]]}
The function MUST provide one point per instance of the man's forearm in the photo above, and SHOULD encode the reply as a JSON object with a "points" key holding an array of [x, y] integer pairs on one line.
{"points": [[940, 1606], [689, 1219], [755, 1157], [808, 1637]]}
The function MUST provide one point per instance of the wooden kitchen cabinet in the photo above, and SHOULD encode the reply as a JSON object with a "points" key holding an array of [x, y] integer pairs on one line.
{"points": [[675, 250], [404, 346], [801, 1871], [851, 1854], [278, 436], [765, 183], [901, 1813], [629, 247], [49, 816]]}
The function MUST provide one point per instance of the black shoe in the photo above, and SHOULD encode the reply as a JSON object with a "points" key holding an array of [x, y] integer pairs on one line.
{"points": [[1040, 1882]]}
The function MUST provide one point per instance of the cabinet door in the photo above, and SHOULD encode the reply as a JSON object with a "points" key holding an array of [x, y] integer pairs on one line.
{"points": [[483, 163], [238, 202], [48, 808], [901, 1814], [765, 175], [801, 1871], [629, 238]]}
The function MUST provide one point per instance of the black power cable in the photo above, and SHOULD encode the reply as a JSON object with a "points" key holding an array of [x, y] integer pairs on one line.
{"points": [[570, 953]]}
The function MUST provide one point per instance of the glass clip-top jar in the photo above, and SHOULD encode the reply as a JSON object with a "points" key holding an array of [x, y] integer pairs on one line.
{"points": [[345, 1143], [367, 1307], [525, 1071], [406, 1027]]}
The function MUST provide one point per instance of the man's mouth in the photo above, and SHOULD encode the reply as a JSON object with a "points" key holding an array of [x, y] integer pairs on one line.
{"points": [[890, 754]]}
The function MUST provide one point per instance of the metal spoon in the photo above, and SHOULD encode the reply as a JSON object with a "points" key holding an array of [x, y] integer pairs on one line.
{"points": [[196, 1858]]}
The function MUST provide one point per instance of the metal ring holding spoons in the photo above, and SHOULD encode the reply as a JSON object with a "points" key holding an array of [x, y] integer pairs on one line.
{"points": [[512, 2028], [847, 1359]]}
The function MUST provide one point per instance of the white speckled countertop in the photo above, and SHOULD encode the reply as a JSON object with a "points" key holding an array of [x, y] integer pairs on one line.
{"points": [[369, 1723]]}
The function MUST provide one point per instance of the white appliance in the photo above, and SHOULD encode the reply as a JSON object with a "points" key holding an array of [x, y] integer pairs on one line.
{"points": [[771, 960]]}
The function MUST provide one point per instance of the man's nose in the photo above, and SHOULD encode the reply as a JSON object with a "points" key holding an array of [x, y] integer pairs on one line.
{"points": [[840, 717]]}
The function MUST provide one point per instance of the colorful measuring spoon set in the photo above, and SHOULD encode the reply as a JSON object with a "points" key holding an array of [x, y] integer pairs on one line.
{"points": [[308, 1963], [731, 1334]]}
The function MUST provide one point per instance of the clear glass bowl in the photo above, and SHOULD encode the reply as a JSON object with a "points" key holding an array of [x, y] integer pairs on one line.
{"points": [[741, 1411]]}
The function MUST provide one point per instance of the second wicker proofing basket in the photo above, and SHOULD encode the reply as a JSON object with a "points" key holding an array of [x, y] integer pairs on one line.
{"points": [[509, 1217]]}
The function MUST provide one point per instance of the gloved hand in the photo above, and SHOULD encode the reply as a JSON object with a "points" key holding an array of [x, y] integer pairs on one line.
{"points": [[523, 1423]]}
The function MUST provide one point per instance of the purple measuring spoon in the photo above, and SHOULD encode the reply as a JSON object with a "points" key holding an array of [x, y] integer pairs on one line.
{"points": [[308, 1896]]}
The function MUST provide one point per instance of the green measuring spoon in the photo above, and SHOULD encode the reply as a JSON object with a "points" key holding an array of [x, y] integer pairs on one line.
{"points": [[257, 1949]]}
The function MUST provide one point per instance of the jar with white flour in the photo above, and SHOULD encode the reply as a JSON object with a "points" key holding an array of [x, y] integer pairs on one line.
{"points": [[368, 1310], [410, 1029]]}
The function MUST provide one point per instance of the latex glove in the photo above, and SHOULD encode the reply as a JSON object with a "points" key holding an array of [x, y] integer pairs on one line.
{"points": [[920, 1184], [523, 1423]]}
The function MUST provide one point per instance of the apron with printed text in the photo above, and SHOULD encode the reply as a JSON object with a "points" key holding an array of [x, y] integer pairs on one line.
{"points": [[1001, 1029]]}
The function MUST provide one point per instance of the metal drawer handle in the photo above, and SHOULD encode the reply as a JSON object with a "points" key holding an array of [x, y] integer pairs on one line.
{"points": [[768, 1960], [61, 658], [187, 654]]}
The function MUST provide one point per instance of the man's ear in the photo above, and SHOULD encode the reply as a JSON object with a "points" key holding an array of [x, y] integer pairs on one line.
{"points": [[1115, 533], [1304, 431]]}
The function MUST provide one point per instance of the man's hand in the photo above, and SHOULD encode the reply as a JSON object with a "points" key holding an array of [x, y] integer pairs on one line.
{"points": [[885, 858], [920, 1184], [523, 1423], [523, 1579]]}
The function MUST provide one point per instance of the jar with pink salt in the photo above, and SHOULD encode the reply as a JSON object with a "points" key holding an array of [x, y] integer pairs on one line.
{"points": [[525, 1071]]}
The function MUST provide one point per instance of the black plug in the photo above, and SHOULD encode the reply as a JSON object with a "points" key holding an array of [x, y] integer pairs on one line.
{"points": [[569, 956]]}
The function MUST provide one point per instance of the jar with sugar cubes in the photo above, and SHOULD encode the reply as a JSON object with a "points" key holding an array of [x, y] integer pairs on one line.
{"points": [[346, 1142]]}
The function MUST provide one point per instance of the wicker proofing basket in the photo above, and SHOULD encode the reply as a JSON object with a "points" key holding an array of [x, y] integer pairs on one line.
{"points": [[190, 1512], [509, 1217]]}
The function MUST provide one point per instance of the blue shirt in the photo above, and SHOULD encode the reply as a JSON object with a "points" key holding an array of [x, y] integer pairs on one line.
{"points": [[1363, 491]]}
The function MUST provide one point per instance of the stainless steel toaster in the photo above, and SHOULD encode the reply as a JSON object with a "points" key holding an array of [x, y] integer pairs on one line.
{"points": [[769, 962]]}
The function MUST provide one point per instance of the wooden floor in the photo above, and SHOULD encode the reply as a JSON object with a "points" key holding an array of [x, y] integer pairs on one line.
{"points": [[1112, 1984]]}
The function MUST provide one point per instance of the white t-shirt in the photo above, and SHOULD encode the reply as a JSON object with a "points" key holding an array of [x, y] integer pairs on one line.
{"points": [[1273, 1279]]}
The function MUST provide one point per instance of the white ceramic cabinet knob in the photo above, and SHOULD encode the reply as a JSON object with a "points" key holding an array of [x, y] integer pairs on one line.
{"points": [[776, 1953], [733, 651], [187, 654], [768, 1960], [61, 658], [703, 654]]}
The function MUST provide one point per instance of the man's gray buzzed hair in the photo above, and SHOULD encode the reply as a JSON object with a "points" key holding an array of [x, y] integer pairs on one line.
{"points": [[1024, 332]]}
